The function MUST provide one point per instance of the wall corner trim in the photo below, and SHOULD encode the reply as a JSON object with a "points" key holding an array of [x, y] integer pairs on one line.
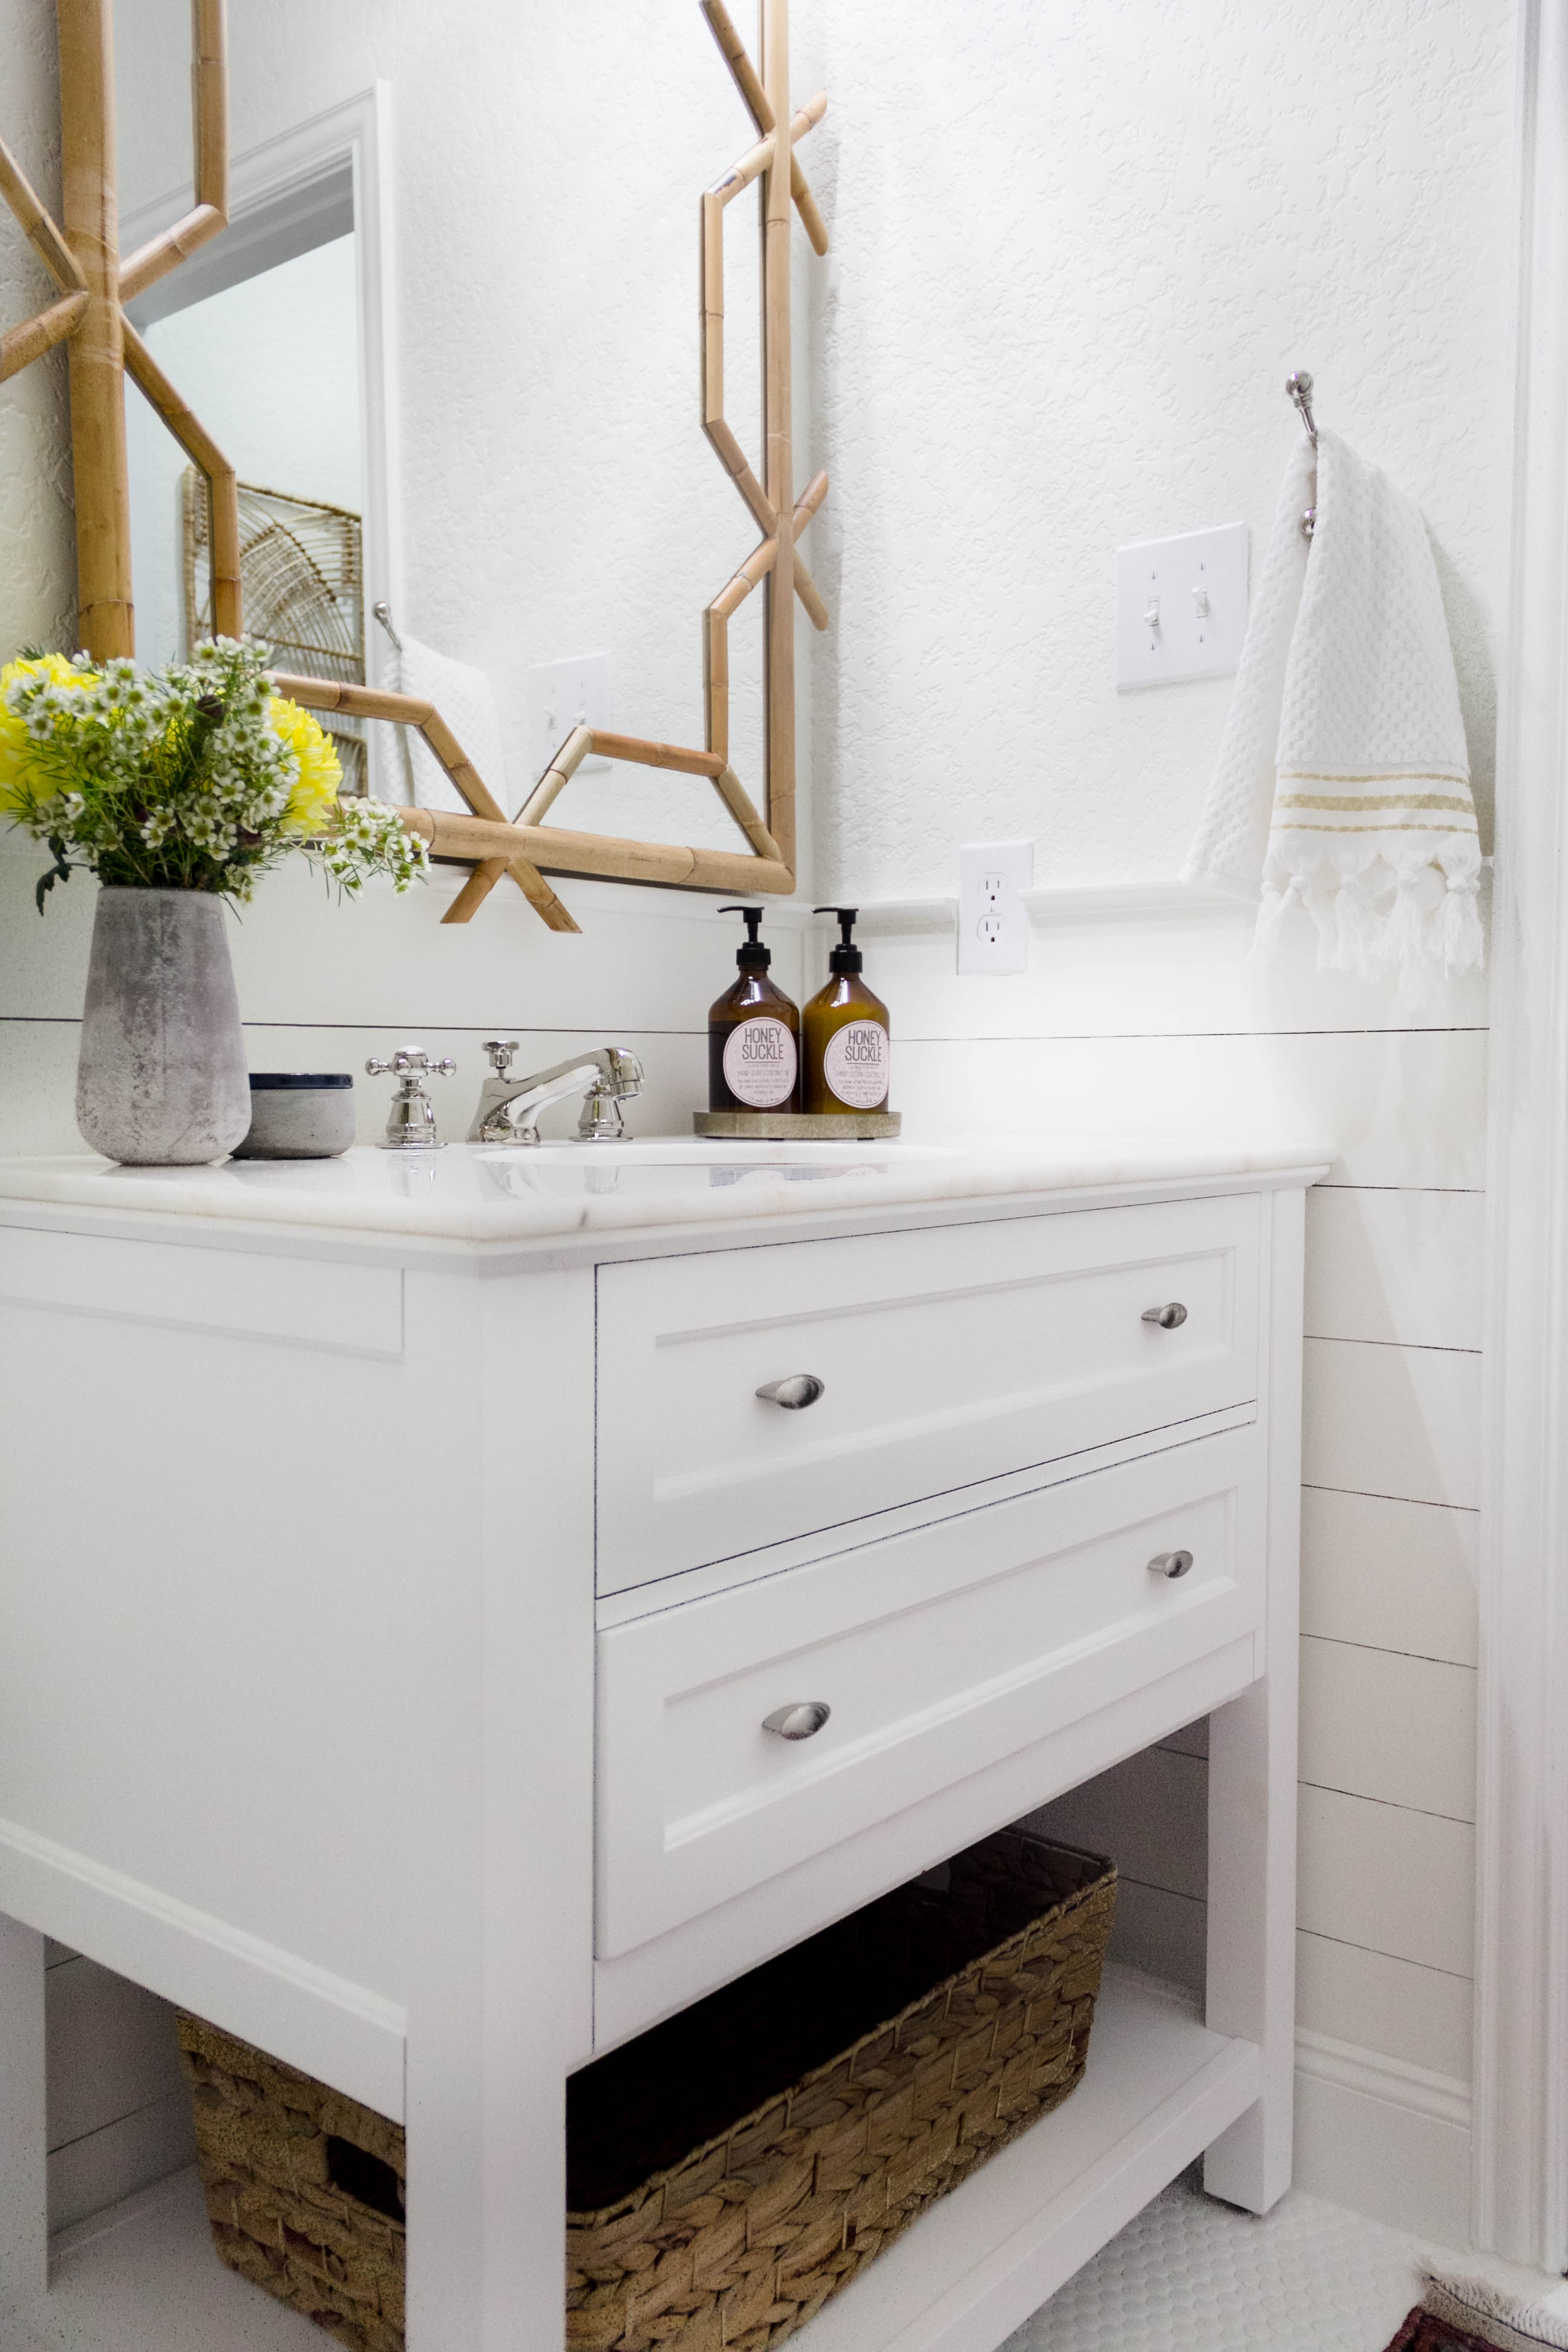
{"points": [[1520, 2150]]}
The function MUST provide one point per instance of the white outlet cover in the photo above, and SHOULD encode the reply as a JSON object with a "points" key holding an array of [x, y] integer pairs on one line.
{"points": [[1197, 588], [993, 922], [563, 694]]}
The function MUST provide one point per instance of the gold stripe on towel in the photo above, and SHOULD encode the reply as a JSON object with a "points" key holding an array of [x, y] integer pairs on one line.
{"points": [[1372, 801], [1377, 776], [1438, 829]]}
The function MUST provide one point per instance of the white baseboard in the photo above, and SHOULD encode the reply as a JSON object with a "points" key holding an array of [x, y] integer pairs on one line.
{"points": [[1383, 2138]]}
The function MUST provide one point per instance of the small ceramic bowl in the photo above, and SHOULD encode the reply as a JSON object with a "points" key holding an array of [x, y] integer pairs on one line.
{"points": [[296, 1115]]}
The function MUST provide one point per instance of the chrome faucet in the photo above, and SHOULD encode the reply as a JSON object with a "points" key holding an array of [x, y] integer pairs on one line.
{"points": [[509, 1106]]}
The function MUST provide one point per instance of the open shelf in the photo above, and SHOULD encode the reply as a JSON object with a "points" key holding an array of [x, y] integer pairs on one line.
{"points": [[143, 2277], [1158, 2089]]}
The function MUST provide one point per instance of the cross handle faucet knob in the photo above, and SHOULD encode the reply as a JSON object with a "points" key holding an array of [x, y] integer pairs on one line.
{"points": [[410, 1062]]}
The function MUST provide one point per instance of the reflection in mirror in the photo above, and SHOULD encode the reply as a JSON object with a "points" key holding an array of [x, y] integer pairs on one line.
{"points": [[269, 333], [270, 364], [559, 498]]}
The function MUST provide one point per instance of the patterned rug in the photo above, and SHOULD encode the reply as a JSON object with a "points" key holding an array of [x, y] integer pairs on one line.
{"points": [[1422, 2332], [1469, 2316]]}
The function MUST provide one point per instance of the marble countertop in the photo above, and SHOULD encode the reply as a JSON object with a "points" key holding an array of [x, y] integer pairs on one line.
{"points": [[498, 1194]]}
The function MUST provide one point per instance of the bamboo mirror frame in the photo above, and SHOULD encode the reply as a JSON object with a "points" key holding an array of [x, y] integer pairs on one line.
{"points": [[81, 255]]}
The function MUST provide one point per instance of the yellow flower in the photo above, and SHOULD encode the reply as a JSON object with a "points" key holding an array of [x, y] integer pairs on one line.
{"points": [[15, 745], [315, 795]]}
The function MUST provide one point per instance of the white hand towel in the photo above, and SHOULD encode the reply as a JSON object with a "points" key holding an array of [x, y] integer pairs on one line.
{"points": [[1342, 782], [462, 695]]}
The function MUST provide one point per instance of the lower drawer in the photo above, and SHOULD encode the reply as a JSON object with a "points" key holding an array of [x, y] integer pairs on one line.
{"points": [[936, 1653]]}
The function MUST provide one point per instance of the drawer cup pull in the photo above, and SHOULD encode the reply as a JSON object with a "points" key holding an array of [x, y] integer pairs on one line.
{"points": [[1169, 1319], [800, 1721], [794, 1392], [1170, 1563]]}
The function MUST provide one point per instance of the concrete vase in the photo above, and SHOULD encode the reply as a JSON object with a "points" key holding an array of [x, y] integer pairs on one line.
{"points": [[161, 1080]]}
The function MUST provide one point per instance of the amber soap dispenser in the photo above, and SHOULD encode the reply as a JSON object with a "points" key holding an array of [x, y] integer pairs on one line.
{"points": [[753, 1033], [847, 1056]]}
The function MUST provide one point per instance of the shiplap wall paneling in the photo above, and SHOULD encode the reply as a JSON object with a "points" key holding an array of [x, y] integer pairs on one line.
{"points": [[1384, 1420], [1419, 2014], [1401, 1266], [1149, 1815], [119, 2110], [1390, 1574]]}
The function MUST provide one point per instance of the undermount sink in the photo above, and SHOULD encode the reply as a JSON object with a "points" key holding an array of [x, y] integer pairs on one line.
{"points": [[693, 1152], [664, 1163]]}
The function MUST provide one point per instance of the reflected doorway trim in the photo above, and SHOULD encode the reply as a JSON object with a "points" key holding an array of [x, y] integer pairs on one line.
{"points": [[280, 194], [1519, 2148]]}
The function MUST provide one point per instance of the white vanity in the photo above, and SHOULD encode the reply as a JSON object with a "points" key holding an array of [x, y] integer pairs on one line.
{"points": [[399, 1562]]}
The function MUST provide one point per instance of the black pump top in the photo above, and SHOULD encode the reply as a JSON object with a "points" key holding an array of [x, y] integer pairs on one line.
{"points": [[846, 956], [751, 955]]}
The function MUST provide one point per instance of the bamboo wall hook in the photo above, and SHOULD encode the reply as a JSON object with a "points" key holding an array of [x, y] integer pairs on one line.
{"points": [[82, 255]]}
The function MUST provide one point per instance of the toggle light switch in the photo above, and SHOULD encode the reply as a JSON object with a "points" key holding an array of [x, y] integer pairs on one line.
{"points": [[1181, 606], [561, 696]]}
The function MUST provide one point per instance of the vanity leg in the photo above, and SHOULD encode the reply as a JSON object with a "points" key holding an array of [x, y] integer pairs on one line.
{"points": [[500, 1802], [24, 2179], [1252, 1783]]}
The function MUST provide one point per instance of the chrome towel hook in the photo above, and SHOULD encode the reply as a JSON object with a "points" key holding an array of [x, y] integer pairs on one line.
{"points": [[383, 612], [1299, 389]]}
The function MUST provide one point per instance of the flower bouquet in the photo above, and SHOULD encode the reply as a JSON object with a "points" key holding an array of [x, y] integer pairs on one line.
{"points": [[177, 789]]}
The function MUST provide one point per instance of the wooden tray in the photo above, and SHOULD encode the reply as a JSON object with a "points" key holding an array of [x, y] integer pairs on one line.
{"points": [[798, 1126]]}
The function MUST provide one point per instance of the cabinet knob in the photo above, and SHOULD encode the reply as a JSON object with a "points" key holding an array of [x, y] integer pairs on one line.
{"points": [[1170, 1563], [1169, 1319], [800, 1721], [794, 1392]]}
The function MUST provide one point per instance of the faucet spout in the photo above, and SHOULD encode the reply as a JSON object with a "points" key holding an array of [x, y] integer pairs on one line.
{"points": [[509, 1106]]}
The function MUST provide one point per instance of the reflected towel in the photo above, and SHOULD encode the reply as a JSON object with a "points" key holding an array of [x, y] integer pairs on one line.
{"points": [[463, 696], [1342, 782]]}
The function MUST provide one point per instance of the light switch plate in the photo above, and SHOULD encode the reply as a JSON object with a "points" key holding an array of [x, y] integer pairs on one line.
{"points": [[563, 694], [993, 922], [1181, 606]]}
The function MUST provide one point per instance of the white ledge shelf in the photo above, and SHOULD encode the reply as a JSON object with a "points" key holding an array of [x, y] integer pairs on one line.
{"points": [[1092, 902]]}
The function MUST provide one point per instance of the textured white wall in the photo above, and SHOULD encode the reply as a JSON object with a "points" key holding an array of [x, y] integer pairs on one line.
{"points": [[1078, 249]]}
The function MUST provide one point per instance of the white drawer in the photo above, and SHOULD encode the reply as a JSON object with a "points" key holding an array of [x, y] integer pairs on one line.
{"points": [[939, 1651], [948, 1356]]}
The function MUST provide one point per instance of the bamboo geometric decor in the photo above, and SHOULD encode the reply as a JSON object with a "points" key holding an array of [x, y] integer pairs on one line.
{"points": [[84, 262], [770, 864], [82, 257], [769, 861]]}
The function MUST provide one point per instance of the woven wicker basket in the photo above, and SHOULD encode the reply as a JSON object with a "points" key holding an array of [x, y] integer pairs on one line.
{"points": [[304, 2187], [876, 2065]]}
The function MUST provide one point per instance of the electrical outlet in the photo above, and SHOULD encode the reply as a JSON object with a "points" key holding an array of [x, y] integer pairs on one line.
{"points": [[993, 920], [563, 694], [1181, 606]]}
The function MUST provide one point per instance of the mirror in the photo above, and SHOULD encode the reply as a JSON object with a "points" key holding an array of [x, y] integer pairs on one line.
{"points": [[558, 508]]}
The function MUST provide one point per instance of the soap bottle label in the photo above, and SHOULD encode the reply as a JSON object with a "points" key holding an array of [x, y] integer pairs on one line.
{"points": [[856, 1064], [759, 1061]]}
